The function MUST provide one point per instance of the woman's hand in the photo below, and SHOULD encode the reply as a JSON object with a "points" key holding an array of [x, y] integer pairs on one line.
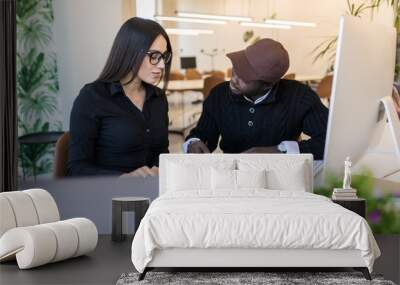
{"points": [[143, 171]]}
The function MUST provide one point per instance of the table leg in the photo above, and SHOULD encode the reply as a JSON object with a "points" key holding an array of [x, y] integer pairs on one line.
{"points": [[140, 211], [117, 222], [183, 111]]}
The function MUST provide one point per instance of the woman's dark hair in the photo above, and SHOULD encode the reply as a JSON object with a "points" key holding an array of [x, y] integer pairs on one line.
{"points": [[131, 43]]}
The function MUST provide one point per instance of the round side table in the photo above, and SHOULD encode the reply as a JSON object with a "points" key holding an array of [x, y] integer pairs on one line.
{"points": [[30, 141], [139, 205]]}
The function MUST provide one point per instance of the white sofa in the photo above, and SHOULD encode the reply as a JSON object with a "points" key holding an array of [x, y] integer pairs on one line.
{"points": [[31, 231]]}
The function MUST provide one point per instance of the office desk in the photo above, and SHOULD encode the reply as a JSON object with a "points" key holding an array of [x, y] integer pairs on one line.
{"points": [[181, 86], [197, 84], [306, 78]]}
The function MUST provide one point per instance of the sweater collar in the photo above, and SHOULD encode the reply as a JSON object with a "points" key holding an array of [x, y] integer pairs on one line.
{"points": [[270, 97]]}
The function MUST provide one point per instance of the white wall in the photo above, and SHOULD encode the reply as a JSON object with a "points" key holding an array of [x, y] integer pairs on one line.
{"points": [[146, 8], [83, 33], [298, 41]]}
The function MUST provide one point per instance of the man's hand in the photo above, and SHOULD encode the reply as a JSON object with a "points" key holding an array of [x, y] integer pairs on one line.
{"points": [[143, 171], [263, 149], [198, 147]]}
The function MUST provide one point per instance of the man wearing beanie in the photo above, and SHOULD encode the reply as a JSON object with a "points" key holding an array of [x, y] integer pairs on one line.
{"points": [[259, 112]]}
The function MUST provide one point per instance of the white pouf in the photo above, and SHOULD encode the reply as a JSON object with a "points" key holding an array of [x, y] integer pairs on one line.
{"points": [[31, 233]]}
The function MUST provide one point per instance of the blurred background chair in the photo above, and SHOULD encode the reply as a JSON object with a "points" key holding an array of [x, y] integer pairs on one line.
{"points": [[61, 156], [176, 75], [290, 76], [217, 73], [209, 83], [324, 87], [192, 73], [229, 72]]}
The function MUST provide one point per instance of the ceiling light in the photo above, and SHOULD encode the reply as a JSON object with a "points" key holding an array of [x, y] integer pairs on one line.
{"points": [[189, 20], [264, 25], [216, 17], [291, 23], [189, 32]]}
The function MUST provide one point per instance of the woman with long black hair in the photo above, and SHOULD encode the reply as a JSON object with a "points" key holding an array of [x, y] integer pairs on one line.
{"points": [[119, 123]]}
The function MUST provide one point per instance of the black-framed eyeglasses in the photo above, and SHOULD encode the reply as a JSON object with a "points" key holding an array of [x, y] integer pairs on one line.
{"points": [[156, 56]]}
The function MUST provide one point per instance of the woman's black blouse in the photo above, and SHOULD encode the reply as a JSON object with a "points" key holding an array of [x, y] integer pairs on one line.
{"points": [[109, 135]]}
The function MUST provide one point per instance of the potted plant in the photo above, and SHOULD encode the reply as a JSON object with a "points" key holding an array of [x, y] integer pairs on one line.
{"points": [[37, 81]]}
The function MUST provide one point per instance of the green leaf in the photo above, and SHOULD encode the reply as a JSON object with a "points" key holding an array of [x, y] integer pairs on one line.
{"points": [[325, 49], [385, 203], [248, 35]]}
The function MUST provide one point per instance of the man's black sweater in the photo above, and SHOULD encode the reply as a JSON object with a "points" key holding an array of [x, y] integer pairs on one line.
{"points": [[290, 109]]}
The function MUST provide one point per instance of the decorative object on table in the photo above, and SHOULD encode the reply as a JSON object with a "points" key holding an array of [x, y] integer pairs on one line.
{"points": [[248, 278], [382, 212], [357, 205], [347, 174], [345, 193], [139, 205], [31, 231]]}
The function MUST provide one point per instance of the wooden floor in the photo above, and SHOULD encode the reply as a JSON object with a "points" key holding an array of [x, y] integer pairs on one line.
{"points": [[103, 266], [110, 260]]}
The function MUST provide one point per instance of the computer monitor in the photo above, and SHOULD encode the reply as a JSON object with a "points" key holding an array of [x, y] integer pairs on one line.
{"points": [[363, 75], [188, 62]]}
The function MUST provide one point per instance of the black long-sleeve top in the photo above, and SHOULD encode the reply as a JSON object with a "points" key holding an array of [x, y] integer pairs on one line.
{"points": [[290, 109], [111, 136]]}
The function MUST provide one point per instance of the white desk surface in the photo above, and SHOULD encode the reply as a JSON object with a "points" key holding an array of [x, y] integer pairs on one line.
{"points": [[308, 77], [197, 84], [183, 85]]}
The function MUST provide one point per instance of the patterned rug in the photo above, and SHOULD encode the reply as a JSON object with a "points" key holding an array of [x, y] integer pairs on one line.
{"points": [[243, 278]]}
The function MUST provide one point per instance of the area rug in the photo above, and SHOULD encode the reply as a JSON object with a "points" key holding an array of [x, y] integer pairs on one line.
{"points": [[243, 278]]}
